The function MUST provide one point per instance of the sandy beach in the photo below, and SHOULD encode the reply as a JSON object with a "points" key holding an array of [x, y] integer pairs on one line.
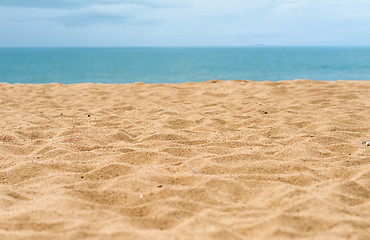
{"points": [[209, 160]]}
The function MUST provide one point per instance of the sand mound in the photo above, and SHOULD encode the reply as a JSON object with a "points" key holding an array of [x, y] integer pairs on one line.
{"points": [[270, 160]]}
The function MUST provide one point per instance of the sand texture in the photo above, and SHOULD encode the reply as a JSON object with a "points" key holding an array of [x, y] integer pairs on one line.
{"points": [[270, 160]]}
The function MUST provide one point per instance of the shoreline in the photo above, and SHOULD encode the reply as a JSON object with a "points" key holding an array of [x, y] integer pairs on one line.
{"points": [[206, 81]]}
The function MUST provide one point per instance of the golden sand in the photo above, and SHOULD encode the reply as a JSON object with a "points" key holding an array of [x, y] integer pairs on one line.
{"points": [[210, 160]]}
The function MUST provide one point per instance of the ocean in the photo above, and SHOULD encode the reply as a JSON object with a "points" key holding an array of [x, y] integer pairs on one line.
{"points": [[175, 65]]}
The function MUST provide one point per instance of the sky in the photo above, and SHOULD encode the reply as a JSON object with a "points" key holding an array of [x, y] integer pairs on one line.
{"points": [[116, 23]]}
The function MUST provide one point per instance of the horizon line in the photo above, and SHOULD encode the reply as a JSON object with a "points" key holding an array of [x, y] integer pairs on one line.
{"points": [[185, 46]]}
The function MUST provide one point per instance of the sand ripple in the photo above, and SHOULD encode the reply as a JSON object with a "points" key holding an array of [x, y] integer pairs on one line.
{"points": [[272, 160]]}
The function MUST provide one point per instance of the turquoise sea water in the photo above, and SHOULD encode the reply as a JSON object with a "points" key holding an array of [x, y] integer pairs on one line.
{"points": [[160, 65]]}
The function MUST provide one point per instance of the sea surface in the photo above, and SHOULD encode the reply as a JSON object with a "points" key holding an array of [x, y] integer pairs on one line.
{"points": [[174, 65]]}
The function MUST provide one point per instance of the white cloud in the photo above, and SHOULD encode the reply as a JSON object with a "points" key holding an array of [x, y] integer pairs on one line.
{"points": [[186, 22]]}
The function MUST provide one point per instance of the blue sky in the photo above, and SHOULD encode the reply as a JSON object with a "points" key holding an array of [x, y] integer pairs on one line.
{"points": [[50, 23]]}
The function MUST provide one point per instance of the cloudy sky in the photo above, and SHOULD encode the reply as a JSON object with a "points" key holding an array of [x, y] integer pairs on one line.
{"points": [[48, 23]]}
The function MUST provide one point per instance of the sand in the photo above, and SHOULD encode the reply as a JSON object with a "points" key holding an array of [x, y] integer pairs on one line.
{"points": [[210, 160]]}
